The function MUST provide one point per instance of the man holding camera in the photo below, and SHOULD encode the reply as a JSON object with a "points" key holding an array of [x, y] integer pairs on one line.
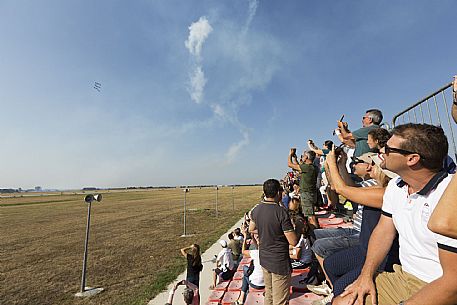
{"points": [[308, 179], [358, 139], [428, 273]]}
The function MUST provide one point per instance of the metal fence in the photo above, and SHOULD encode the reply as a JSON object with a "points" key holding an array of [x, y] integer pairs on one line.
{"points": [[433, 109]]}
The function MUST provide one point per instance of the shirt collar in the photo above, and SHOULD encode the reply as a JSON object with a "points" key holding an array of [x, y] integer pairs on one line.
{"points": [[431, 184]]}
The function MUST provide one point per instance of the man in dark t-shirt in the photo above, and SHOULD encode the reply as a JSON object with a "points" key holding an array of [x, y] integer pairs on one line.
{"points": [[276, 233]]}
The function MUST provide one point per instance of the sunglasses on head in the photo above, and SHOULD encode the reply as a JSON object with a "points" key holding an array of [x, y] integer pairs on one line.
{"points": [[389, 149]]}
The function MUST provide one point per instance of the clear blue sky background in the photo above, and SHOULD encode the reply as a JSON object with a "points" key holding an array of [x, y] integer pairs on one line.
{"points": [[277, 73]]}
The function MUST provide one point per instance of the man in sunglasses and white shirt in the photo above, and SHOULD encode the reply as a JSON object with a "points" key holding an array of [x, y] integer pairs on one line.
{"points": [[428, 274]]}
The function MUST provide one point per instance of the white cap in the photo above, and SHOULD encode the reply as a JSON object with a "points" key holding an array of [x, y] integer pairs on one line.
{"points": [[223, 243], [377, 160]]}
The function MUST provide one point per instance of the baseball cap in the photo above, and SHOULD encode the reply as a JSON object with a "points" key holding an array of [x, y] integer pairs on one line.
{"points": [[378, 160]]}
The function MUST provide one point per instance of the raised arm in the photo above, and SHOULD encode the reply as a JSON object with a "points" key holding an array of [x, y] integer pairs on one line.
{"points": [[245, 251], [346, 134], [184, 251], [292, 161], [314, 148], [368, 196]]}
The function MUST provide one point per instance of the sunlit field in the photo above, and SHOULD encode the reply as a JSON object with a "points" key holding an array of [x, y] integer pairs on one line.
{"points": [[135, 237]]}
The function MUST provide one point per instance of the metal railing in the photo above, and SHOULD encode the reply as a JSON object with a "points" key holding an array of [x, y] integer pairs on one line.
{"points": [[431, 110]]}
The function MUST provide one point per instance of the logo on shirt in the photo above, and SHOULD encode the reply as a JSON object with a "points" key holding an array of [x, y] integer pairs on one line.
{"points": [[425, 212]]}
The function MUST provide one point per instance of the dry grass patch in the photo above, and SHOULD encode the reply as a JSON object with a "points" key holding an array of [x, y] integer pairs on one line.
{"points": [[133, 248]]}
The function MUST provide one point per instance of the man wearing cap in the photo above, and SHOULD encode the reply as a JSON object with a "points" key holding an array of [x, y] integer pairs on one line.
{"points": [[275, 233], [332, 240], [343, 267], [224, 263], [428, 273]]}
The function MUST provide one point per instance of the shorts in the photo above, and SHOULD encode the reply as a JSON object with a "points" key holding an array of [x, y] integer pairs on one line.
{"points": [[308, 202]]}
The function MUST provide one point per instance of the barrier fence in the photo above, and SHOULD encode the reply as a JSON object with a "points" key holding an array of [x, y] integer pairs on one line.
{"points": [[432, 109]]}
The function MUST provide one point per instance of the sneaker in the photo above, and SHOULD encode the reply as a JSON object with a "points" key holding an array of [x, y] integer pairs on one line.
{"points": [[325, 301], [322, 289]]}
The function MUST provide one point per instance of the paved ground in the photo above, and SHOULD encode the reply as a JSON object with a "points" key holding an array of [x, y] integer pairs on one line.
{"points": [[206, 276]]}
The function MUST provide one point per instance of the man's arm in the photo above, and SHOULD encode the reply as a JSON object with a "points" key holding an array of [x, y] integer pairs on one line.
{"points": [[380, 242], [292, 161], [252, 226], [314, 148], [442, 291], [442, 220], [291, 237], [368, 196], [346, 134]]}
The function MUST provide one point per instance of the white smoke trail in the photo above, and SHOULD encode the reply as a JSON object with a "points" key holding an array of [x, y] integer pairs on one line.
{"points": [[253, 4], [198, 32], [235, 148], [197, 85]]}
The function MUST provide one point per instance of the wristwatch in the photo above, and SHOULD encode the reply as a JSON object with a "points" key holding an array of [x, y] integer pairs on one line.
{"points": [[401, 303]]}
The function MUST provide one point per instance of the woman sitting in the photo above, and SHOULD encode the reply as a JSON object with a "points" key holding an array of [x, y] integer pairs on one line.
{"points": [[252, 274]]}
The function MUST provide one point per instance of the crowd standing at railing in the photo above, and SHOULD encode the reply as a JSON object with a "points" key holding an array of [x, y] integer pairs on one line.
{"points": [[402, 247]]}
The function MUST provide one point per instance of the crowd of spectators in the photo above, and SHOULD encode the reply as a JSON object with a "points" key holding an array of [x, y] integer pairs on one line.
{"points": [[402, 246]]}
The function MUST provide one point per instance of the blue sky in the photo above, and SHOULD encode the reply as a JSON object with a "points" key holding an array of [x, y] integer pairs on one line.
{"points": [[254, 79]]}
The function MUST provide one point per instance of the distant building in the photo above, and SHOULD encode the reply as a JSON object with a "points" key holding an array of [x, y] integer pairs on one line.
{"points": [[38, 189]]}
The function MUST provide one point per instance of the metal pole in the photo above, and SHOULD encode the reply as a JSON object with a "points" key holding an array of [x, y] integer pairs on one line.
{"points": [[449, 122], [217, 199], [83, 278], [233, 199], [185, 216]]}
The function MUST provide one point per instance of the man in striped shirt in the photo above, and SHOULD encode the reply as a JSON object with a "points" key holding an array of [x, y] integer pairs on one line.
{"points": [[330, 241]]}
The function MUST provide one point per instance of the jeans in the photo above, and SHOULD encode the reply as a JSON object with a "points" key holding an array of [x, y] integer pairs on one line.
{"points": [[246, 282], [330, 241]]}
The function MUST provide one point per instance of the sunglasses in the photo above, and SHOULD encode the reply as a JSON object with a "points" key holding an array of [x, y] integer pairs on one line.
{"points": [[389, 149]]}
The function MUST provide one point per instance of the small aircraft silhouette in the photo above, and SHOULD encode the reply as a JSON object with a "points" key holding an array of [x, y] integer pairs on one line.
{"points": [[97, 86]]}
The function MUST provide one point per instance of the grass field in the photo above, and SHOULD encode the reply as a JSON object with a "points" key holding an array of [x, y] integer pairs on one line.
{"points": [[133, 248]]}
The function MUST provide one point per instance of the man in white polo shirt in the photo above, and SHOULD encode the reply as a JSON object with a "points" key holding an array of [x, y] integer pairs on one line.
{"points": [[428, 274]]}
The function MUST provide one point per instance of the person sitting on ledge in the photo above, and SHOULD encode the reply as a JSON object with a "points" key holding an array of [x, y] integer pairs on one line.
{"points": [[224, 263]]}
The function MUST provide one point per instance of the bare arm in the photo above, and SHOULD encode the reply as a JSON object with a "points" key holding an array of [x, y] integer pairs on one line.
{"points": [[442, 220], [368, 196], [184, 251], [295, 252], [252, 226], [442, 290], [244, 251], [342, 170], [346, 134], [292, 161], [378, 247], [291, 237], [314, 148]]}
